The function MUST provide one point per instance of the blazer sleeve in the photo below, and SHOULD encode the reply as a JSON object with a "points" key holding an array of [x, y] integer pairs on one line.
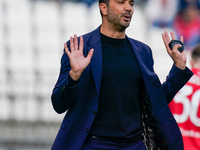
{"points": [[176, 79], [63, 94]]}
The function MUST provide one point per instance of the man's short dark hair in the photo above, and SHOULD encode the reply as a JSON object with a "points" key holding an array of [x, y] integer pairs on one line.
{"points": [[104, 1]]}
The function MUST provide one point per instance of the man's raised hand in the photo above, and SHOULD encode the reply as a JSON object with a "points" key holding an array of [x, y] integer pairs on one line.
{"points": [[78, 62], [178, 57]]}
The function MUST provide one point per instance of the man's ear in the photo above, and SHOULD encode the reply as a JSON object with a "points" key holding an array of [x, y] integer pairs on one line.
{"points": [[103, 8]]}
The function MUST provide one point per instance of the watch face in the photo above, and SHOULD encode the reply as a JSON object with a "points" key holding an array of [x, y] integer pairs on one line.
{"points": [[173, 42]]}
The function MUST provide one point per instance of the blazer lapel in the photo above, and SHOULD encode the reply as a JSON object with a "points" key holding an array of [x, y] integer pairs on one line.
{"points": [[151, 80], [96, 61], [139, 54]]}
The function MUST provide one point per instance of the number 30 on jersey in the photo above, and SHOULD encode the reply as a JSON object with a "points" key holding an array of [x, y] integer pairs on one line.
{"points": [[190, 108]]}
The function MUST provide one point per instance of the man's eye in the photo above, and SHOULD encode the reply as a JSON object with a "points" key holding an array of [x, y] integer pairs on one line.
{"points": [[121, 2], [132, 4]]}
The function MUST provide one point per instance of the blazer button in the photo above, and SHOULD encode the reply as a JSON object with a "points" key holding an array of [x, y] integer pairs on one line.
{"points": [[94, 112], [87, 130]]}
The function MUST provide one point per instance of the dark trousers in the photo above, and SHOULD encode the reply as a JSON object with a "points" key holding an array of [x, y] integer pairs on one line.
{"points": [[105, 144]]}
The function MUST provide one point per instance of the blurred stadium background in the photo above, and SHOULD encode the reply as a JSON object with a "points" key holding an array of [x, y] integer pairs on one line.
{"points": [[32, 34]]}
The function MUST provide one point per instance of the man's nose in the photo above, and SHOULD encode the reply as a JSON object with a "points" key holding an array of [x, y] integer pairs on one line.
{"points": [[128, 7]]}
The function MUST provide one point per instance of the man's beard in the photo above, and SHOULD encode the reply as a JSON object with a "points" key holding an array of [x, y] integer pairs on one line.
{"points": [[113, 18]]}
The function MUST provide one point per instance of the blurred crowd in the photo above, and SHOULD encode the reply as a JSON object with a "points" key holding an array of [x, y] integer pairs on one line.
{"points": [[181, 15]]}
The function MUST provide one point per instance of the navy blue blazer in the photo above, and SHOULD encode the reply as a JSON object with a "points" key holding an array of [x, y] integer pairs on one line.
{"points": [[81, 100]]}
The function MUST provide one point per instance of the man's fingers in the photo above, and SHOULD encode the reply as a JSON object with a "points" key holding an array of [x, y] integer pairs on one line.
{"points": [[81, 43], [75, 42], [176, 46], [173, 36], [66, 49], [167, 37], [65, 46], [71, 44], [90, 54], [164, 40]]}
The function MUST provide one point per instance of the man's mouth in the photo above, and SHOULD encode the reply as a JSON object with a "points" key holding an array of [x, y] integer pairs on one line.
{"points": [[126, 17]]}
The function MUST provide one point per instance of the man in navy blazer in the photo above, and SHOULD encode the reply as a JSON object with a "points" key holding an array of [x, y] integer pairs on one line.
{"points": [[91, 93]]}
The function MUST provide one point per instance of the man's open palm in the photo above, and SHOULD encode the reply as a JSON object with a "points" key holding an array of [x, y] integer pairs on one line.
{"points": [[77, 60]]}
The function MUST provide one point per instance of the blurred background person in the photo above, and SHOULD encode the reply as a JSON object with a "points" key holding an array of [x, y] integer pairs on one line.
{"points": [[160, 13], [88, 2], [186, 105], [187, 23]]}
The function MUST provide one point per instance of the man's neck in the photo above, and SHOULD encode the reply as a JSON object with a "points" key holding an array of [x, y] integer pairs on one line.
{"points": [[111, 32]]}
